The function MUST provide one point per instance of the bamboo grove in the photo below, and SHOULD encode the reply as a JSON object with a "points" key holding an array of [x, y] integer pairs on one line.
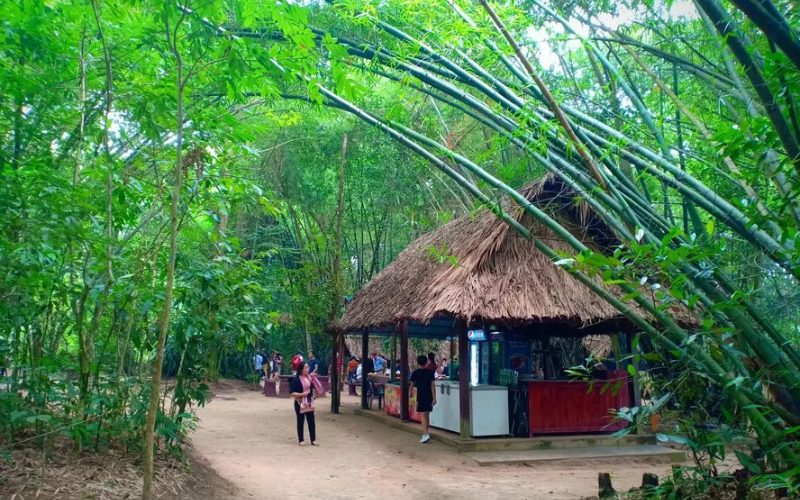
{"points": [[161, 211], [740, 350]]}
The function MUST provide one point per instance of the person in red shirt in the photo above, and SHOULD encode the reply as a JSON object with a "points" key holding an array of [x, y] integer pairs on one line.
{"points": [[352, 368]]}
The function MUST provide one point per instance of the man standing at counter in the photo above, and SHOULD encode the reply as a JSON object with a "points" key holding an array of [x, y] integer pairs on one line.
{"points": [[422, 379]]}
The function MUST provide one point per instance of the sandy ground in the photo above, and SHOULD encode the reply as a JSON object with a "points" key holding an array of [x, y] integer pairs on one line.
{"points": [[250, 440]]}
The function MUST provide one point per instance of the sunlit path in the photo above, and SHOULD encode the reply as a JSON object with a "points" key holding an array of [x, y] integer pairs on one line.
{"points": [[250, 441]]}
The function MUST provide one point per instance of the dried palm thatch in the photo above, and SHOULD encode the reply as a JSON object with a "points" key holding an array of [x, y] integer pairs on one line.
{"points": [[478, 269]]}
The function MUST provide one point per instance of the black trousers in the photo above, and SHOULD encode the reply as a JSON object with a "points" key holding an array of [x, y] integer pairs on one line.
{"points": [[312, 426]]}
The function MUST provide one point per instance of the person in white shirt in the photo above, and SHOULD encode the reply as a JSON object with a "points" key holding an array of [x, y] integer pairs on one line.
{"points": [[258, 364]]}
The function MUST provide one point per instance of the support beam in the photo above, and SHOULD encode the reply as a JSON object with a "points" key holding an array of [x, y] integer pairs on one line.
{"points": [[452, 358], [463, 381], [342, 368], [393, 360], [364, 377], [546, 358], [333, 373], [404, 371]]}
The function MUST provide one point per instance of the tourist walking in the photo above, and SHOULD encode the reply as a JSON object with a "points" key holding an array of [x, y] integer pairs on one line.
{"points": [[275, 371], [302, 391], [422, 379], [264, 364], [258, 365]]}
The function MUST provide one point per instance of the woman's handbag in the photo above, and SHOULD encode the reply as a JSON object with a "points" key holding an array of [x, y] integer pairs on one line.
{"points": [[315, 381], [307, 404]]}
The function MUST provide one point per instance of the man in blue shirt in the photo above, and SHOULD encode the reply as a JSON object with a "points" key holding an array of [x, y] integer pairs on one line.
{"points": [[313, 364], [378, 362], [258, 364]]}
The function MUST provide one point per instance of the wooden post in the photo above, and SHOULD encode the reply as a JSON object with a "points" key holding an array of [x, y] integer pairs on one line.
{"points": [[393, 361], [546, 357], [333, 374], [452, 357], [343, 367], [463, 381], [489, 355], [364, 357], [404, 370]]}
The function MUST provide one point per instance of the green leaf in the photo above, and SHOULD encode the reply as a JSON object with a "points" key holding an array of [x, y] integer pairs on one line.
{"points": [[710, 227], [672, 438], [750, 464]]}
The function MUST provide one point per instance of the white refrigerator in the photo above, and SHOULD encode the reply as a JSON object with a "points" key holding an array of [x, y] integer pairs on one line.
{"points": [[488, 408]]}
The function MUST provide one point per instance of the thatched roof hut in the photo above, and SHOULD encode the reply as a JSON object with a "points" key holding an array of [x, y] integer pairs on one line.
{"points": [[478, 269]]}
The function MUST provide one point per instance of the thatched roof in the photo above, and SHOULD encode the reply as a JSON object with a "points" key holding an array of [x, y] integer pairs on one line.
{"points": [[479, 269]]}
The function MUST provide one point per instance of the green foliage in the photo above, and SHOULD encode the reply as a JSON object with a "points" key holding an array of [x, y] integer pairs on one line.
{"points": [[286, 207]]}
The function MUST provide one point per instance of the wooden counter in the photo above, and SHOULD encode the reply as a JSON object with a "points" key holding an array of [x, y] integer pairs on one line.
{"points": [[566, 406], [391, 401]]}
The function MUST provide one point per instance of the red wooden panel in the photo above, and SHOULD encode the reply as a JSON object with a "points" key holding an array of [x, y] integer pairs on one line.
{"points": [[562, 406]]}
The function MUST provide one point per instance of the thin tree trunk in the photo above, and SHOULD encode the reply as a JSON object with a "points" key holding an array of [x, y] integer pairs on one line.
{"points": [[338, 288], [163, 324], [76, 174]]}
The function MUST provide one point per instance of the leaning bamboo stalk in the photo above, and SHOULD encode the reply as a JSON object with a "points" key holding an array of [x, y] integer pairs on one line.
{"points": [[773, 25], [584, 154], [773, 354], [777, 361], [701, 128], [729, 30], [720, 208], [489, 113], [764, 427], [726, 213], [726, 209]]}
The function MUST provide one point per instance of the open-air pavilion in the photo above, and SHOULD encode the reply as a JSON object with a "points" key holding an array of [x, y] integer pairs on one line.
{"points": [[510, 309]]}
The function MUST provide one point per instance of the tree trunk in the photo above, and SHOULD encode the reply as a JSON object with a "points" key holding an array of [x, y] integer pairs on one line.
{"points": [[163, 324]]}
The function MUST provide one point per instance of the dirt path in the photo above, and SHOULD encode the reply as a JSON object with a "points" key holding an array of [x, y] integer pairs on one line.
{"points": [[250, 441]]}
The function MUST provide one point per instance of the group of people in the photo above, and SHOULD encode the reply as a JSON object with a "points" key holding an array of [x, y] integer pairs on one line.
{"points": [[378, 364], [305, 386], [423, 378], [268, 368]]}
